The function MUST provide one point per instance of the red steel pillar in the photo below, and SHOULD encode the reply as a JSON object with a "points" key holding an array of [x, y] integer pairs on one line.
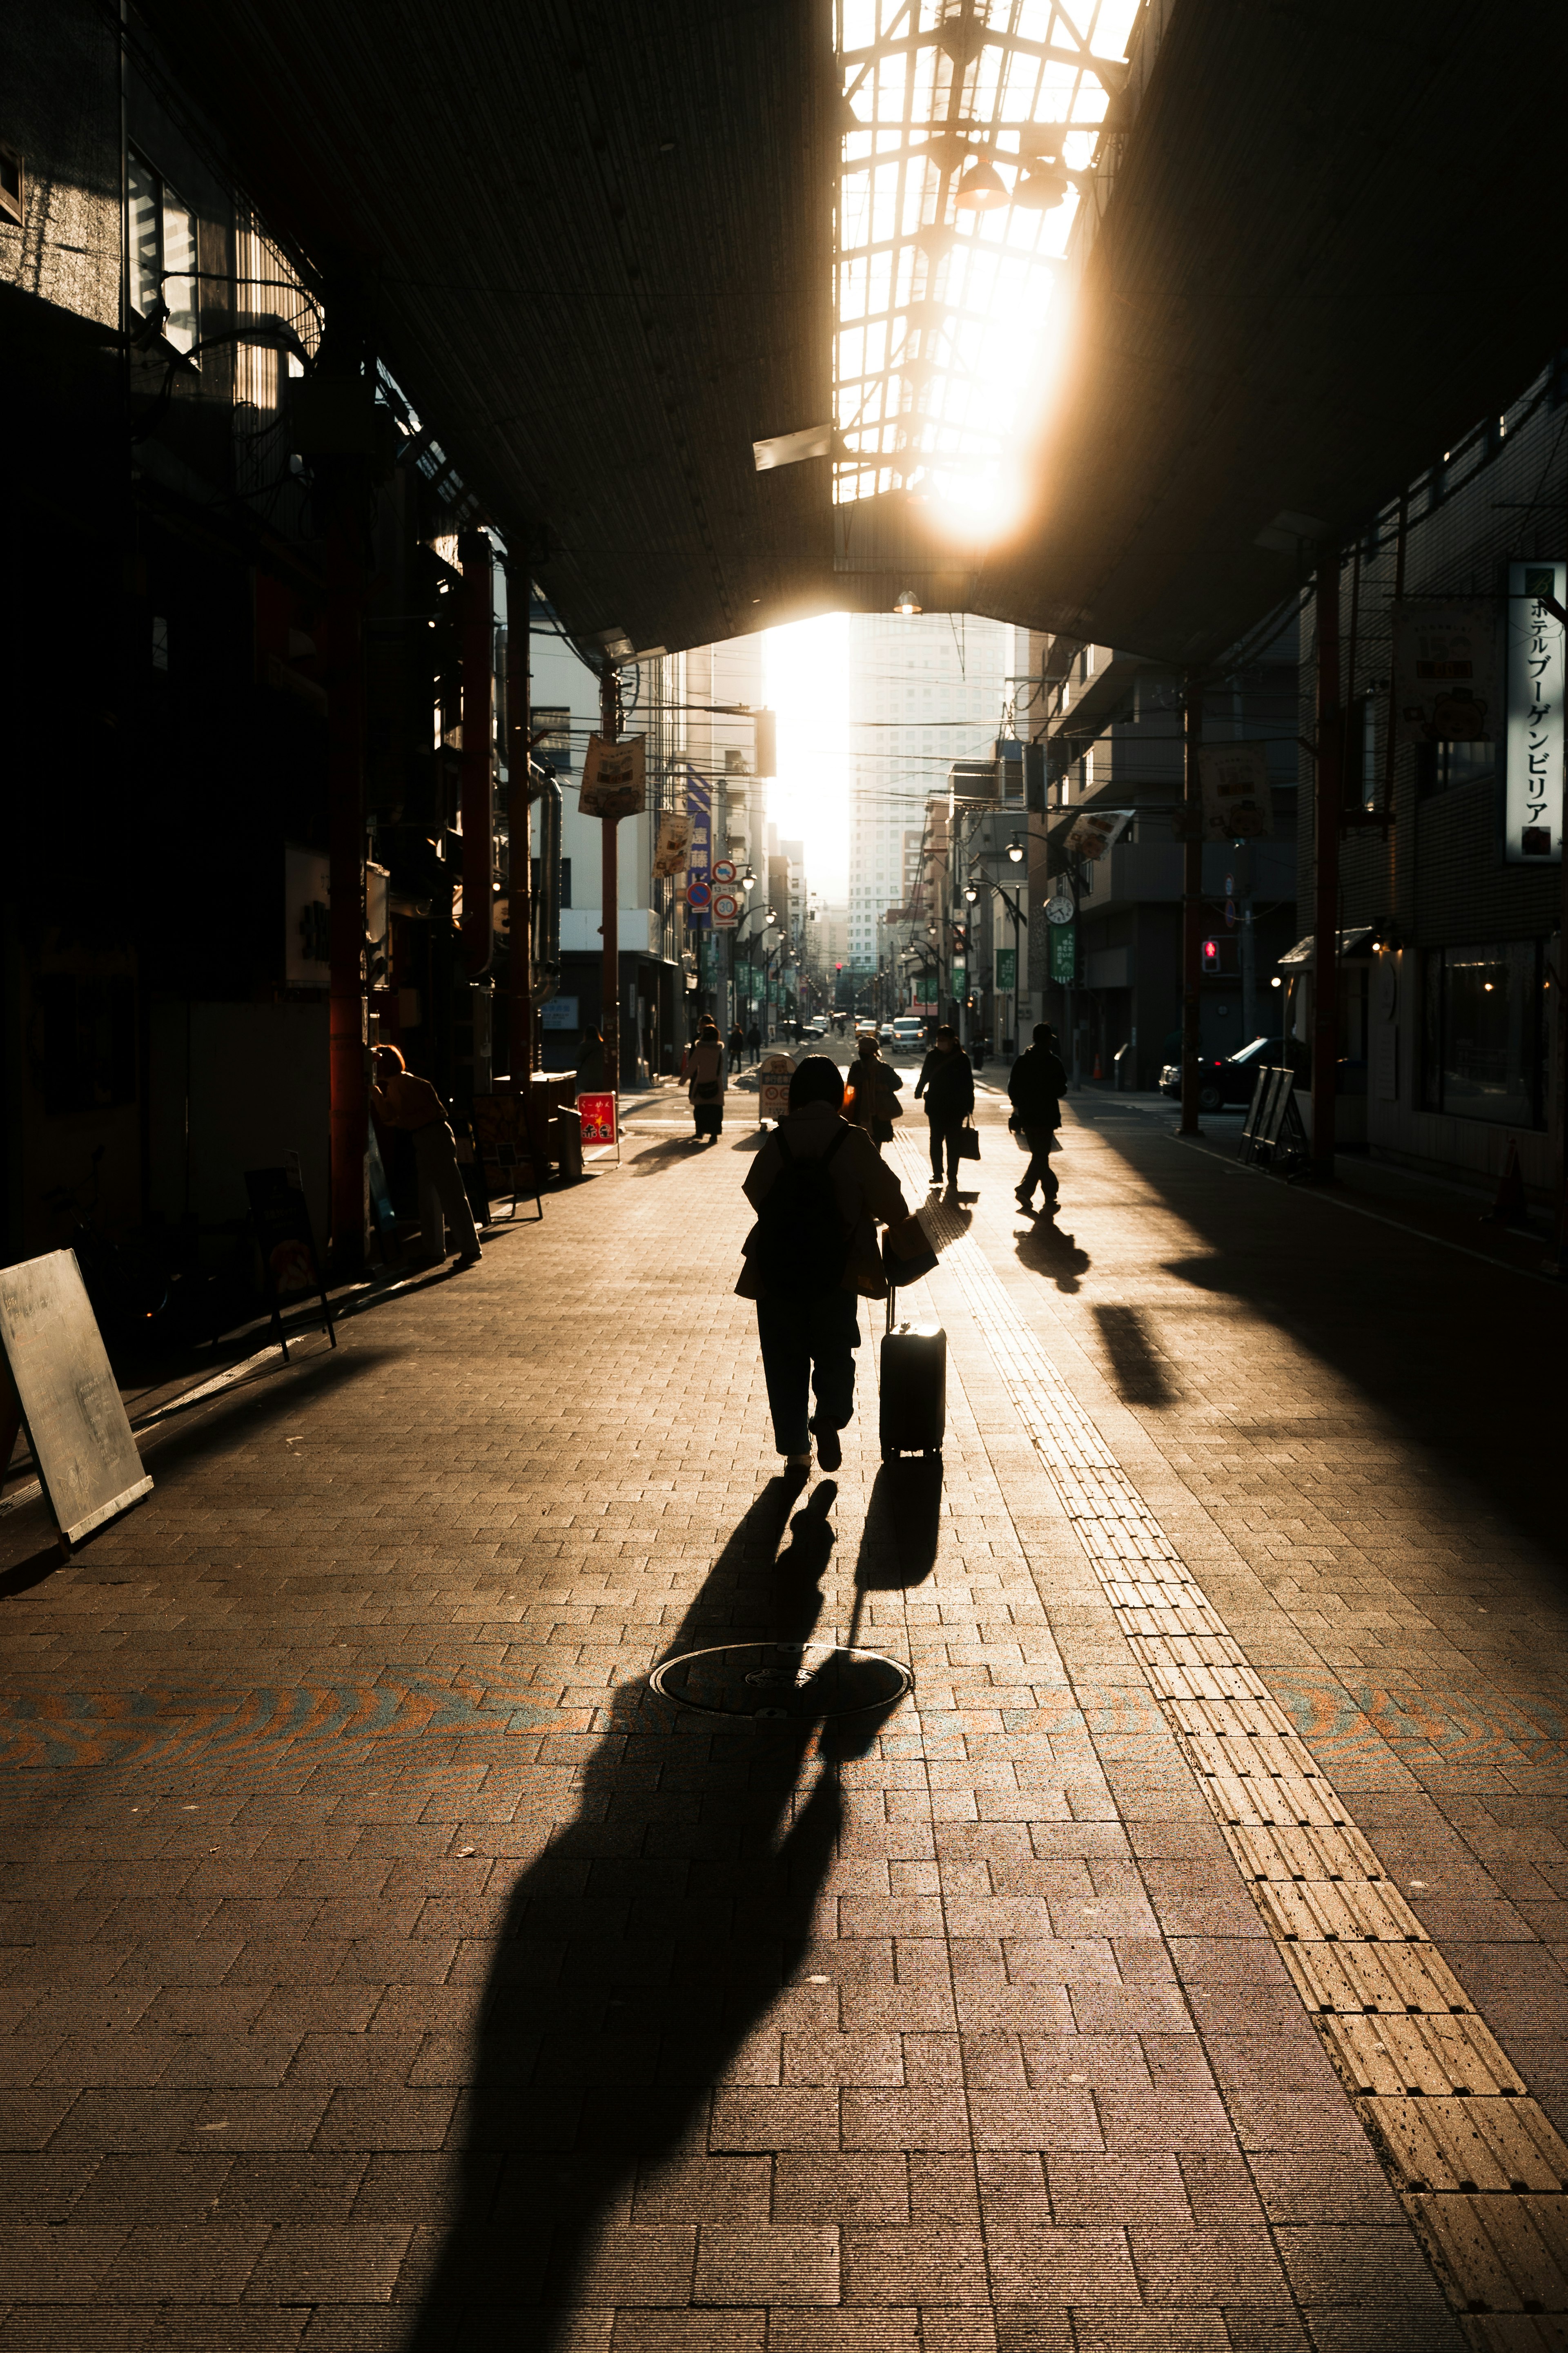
{"points": [[1192, 899], [519, 873], [610, 897], [475, 771], [1329, 813], [343, 633]]}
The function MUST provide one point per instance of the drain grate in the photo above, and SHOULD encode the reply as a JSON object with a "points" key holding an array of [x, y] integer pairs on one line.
{"points": [[783, 1681]]}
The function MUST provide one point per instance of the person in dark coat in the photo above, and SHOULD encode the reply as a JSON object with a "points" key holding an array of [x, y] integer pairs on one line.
{"points": [[735, 1045], [947, 1083], [755, 1041], [1037, 1084]]}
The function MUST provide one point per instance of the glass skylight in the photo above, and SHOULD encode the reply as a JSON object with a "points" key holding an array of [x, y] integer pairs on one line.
{"points": [[943, 306]]}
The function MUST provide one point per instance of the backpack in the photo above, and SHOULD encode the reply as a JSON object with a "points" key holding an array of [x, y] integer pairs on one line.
{"points": [[801, 1243]]}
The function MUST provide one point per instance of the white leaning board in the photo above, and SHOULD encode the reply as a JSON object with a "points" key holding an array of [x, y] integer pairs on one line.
{"points": [[88, 1461]]}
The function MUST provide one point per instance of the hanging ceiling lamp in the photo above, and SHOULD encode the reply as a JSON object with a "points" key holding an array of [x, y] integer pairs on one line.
{"points": [[982, 186], [1042, 183], [906, 602]]}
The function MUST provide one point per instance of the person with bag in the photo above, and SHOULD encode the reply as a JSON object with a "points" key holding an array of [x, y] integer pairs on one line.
{"points": [[1035, 1085], [871, 1096], [819, 1191], [399, 1099], [703, 1068], [947, 1083]]}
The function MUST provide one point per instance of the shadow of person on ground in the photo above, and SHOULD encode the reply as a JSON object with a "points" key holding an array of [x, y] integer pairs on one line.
{"points": [[633, 1961], [1045, 1250], [1141, 1372], [655, 1159]]}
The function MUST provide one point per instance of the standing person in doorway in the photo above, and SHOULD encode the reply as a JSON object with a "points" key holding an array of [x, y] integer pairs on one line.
{"points": [[947, 1083], [590, 1079], [400, 1100], [872, 1099], [736, 1048], [755, 1041], [819, 1191], [703, 1068], [1037, 1084]]}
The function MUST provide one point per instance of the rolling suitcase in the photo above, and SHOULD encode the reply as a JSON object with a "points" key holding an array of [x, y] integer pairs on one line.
{"points": [[913, 1418]]}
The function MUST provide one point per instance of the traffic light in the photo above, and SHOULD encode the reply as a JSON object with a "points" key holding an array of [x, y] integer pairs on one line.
{"points": [[1211, 955]]}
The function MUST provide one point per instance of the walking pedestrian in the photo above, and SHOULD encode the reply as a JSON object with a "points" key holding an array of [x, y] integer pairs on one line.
{"points": [[819, 1190], [755, 1042], [590, 1078], [703, 1068], [1035, 1085], [871, 1100], [736, 1047], [399, 1099], [947, 1083]]}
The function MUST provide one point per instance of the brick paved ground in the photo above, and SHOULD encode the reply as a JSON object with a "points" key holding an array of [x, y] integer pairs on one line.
{"points": [[385, 1968]]}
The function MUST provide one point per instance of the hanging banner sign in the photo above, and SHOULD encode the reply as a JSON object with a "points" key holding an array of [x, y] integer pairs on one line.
{"points": [[1064, 953], [1238, 800], [671, 856], [598, 1115], [1444, 669], [614, 783], [1094, 834], [1007, 969], [1532, 797], [699, 857]]}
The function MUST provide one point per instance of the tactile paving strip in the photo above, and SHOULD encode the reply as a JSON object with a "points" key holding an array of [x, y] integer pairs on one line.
{"points": [[1480, 2169]]}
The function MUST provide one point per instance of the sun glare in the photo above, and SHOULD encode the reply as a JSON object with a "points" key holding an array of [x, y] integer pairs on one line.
{"points": [[806, 670]]}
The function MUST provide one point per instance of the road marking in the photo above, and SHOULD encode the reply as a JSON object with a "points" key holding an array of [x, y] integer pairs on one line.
{"points": [[1481, 2171]]}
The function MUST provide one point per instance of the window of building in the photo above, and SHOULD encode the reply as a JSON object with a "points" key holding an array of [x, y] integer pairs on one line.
{"points": [[567, 881], [1440, 766], [163, 237], [553, 727], [1484, 1034]]}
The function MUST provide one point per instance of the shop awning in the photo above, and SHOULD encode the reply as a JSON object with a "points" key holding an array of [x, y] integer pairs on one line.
{"points": [[1358, 941]]}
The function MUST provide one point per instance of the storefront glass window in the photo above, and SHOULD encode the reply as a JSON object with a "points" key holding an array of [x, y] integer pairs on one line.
{"points": [[1482, 1047]]}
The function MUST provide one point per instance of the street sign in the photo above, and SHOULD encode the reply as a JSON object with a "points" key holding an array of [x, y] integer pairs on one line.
{"points": [[599, 1115], [726, 909], [723, 870], [1064, 952], [699, 897], [773, 1080]]}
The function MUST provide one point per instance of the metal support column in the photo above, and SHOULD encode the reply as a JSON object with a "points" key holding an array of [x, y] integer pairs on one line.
{"points": [[519, 825], [1192, 898], [610, 897], [347, 1039], [1328, 813], [476, 768]]}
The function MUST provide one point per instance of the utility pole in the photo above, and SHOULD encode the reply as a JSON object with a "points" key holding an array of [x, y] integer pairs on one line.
{"points": [[610, 897], [520, 873], [347, 1039], [1192, 899], [1328, 813]]}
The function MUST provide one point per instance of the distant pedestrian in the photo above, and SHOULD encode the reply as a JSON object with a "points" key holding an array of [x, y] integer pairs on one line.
{"points": [[755, 1042], [1037, 1084], [736, 1048], [590, 1079], [399, 1099], [872, 1098], [947, 1083], [703, 1068], [819, 1191]]}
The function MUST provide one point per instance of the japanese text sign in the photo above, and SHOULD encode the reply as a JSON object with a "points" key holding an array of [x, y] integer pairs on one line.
{"points": [[1532, 799], [598, 1116], [674, 843], [700, 854], [613, 779]]}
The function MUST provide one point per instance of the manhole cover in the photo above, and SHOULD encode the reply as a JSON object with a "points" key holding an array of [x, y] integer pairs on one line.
{"points": [[783, 1681]]}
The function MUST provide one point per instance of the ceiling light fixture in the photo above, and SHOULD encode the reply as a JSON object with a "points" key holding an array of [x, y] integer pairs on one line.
{"points": [[906, 602], [982, 186]]}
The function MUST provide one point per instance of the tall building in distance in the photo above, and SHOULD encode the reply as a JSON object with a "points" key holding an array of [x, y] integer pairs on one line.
{"points": [[924, 689]]}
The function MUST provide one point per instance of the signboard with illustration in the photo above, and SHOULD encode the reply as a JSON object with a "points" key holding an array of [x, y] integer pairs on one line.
{"points": [[670, 858], [1444, 669], [598, 1116], [1238, 799], [1095, 832], [773, 1078], [613, 782]]}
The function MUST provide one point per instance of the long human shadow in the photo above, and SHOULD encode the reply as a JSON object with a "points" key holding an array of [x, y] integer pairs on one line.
{"points": [[635, 1956]]}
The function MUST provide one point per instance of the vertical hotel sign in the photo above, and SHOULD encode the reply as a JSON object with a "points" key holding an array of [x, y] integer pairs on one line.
{"points": [[1532, 812]]}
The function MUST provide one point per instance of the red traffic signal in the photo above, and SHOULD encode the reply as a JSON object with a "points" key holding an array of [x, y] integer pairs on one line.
{"points": [[1211, 955]]}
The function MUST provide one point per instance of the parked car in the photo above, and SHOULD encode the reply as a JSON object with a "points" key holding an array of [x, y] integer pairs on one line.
{"points": [[1226, 1082]]}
